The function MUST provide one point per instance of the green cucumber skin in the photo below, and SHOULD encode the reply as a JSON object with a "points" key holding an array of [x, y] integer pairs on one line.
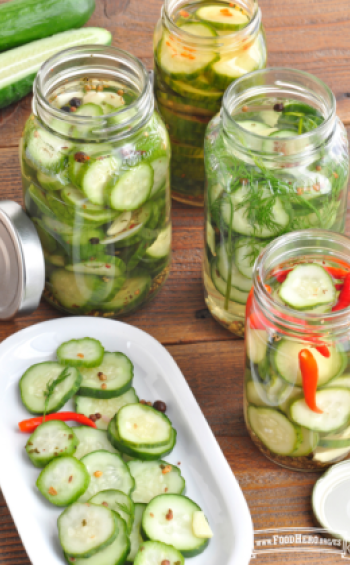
{"points": [[138, 454], [22, 21], [104, 394], [16, 91]]}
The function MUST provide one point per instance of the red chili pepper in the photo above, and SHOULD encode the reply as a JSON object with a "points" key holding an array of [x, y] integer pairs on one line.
{"points": [[257, 320], [339, 286], [309, 373], [344, 296], [29, 426], [337, 273], [323, 349], [282, 275]]}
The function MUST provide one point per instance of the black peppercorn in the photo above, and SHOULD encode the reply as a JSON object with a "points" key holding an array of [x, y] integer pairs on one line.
{"points": [[65, 108], [76, 102], [279, 107], [94, 241]]}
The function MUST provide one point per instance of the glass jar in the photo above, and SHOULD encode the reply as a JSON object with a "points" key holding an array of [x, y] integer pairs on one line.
{"points": [[95, 168], [297, 383], [260, 185], [192, 72]]}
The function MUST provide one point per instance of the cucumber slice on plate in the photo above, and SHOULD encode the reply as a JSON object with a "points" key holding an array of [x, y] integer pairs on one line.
{"points": [[50, 440], [155, 552], [275, 431], [161, 247], [72, 290], [285, 358], [335, 404], [129, 296], [95, 177], [85, 352], [111, 378], [119, 502], [63, 481], [153, 478], [85, 529], [223, 17], [107, 471], [104, 409], [143, 453], [132, 188], [135, 536], [308, 286], [221, 286], [35, 381], [179, 533], [186, 68], [114, 554], [139, 425], [223, 265], [91, 440]]}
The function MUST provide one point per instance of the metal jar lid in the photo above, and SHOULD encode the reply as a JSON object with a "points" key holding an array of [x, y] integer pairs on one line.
{"points": [[22, 267]]}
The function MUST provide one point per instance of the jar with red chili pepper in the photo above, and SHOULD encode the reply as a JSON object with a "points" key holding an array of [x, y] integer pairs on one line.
{"points": [[95, 168], [297, 371]]}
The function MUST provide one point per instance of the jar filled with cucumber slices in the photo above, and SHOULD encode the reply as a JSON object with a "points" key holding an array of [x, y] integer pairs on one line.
{"points": [[297, 372], [199, 49], [95, 167], [276, 161]]}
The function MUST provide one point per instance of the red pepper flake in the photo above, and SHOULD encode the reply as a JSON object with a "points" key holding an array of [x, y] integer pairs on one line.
{"points": [[170, 515], [81, 157], [226, 12], [335, 175], [70, 479], [52, 491], [80, 355], [184, 14], [107, 266], [318, 168]]}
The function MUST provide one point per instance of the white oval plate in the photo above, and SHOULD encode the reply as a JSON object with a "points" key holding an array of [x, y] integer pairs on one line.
{"points": [[209, 479]]}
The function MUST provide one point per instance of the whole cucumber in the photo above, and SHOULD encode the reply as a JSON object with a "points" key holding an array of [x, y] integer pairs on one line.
{"points": [[22, 21]]}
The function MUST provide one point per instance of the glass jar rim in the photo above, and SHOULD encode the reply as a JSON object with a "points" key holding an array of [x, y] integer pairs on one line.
{"points": [[143, 105], [232, 99], [222, 41], [338, 321]]}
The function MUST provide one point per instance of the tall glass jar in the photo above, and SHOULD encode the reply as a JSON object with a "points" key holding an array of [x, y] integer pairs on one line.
{"points": [[95, 168], [196, 57], [297, 383], [263, 181]]}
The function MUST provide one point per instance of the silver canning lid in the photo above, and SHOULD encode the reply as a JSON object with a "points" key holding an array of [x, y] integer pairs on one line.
{"points": [[22, 267]]}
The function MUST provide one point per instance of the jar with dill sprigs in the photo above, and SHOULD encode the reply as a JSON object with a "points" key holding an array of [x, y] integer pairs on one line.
{"points": [[276, 161]]}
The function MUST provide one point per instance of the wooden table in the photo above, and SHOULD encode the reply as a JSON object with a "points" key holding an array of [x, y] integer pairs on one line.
{"points": [[313, 35]]}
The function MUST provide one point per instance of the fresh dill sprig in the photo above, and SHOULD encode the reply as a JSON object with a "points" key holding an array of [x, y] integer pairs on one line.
{"points": [[51, 387]]}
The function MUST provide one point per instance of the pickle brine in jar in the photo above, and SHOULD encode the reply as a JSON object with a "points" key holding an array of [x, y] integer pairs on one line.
{"points": [[95, 168], [199, 49], [276, 161]]}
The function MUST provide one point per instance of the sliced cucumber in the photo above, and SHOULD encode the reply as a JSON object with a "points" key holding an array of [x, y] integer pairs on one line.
{"points": [[74, 197], [50, 182], [256, 344], [46, 151], [132, 293], [129, 224], [247, 250], [223, 17], [85, 529], [105, 409], [33, 386], [337, 440], [199, 93], [335, 404], [109, 266], [50, 440], [221, 285], [111, 378], [96, 176], [135, 536], [275, 431], [223, 264], [91, 440], [139, 425], [340, 382], [153, 478], [308, 443], [177, 531], [107, 471], [327, 455], [63, 481], [58, 227], [89, 110], [258, 128], [160, 168], [132, 188], [174, 64], [200, 29], [34, 194], [73, 291], [104, 99], [119, 502], [143, 453], [229, 68], [85, 352], [154, 552], [308, 286], [161, 247], [286, 362]]}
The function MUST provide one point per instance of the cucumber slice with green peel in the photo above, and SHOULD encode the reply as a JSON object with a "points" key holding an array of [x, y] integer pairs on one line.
{"points": [[63, 481], [187, 129], [35, 381], [243, 224], [105, 266], [258, 396], [46, 151], [161, 247], [173, 64], [96, 176], [283, 133], [308, 444], [51, 440], [290, 394], [228, 68], [340, 382], [285, 359], [128, 224], [119, 502], [135, 536], [199, 29], [106, 408], [153, 478], [223, 17], [104, 99], [195, 91], [91, 440], [59, 209], [335, 404], [256, 344], [85, 529], [58, 227], [275, 431], [85, 352], [73, 290], [247, 250], [155, 552], [132, 188], [235, 295], [107, 471], [74, 170], [132, 293], [47, 241], [89, 110], [114, 554], [223, 265], [111, 378], [300, 107], [178, 533], [160, 168], [139, 425], [94, 218], [337, 440], [328, 455], [121, 223], [51, 183], [37, 196], [74, 197], [106, 289], [308, 286], [258, 128], [56, 260], [143, 453]]}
